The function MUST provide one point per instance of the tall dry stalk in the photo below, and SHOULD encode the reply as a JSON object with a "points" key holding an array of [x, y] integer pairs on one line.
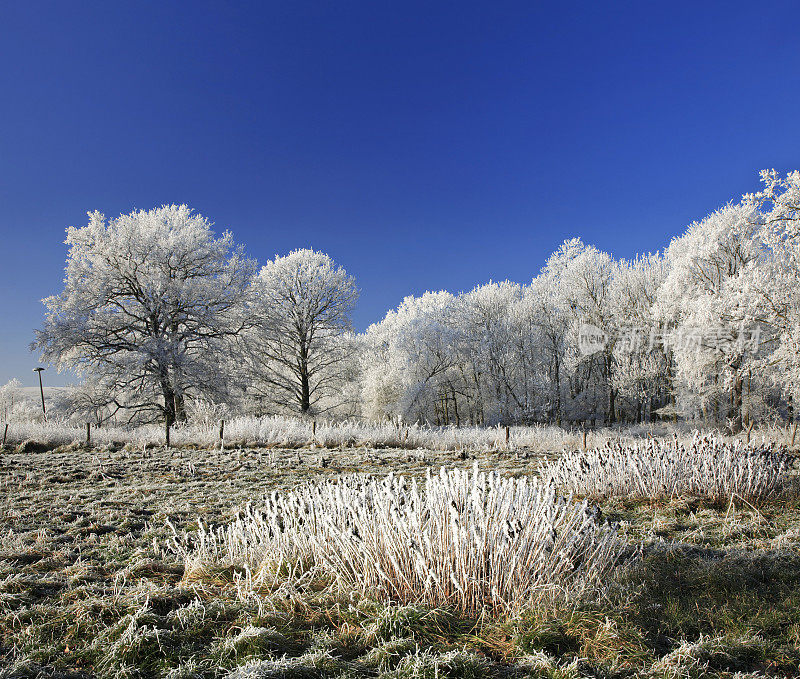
{"points": [[473, 541], [705, 466]]}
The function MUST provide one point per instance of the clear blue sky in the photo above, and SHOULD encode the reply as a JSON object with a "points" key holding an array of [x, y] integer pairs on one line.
{"points": [[423, 145]]}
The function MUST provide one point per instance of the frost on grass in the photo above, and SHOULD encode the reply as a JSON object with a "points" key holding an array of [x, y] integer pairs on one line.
{"points": [[85, 592], [706, 467], [294, 432], [472, 541], [711, 654]]}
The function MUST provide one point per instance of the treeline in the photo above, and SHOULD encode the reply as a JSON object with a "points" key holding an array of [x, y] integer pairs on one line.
{"points": [[164, 318]]}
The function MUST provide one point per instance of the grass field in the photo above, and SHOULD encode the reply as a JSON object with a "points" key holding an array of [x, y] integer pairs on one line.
{"points": [[89, 586]]}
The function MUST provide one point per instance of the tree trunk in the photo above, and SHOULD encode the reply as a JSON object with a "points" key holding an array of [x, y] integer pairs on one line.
{"points": [[169, 402], [305, 393], [736, 406], [180, 407], [612, 418], [305, 385], [168, 392], [612, 397], [557, 375]]}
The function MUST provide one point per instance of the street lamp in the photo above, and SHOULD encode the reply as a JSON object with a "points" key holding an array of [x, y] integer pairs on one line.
{"points": [[41, 391]]}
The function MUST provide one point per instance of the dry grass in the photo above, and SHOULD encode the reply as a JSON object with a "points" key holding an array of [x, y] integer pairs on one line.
{"points": [[287, 432], [706, 466], [87, 590], [475, 542]]}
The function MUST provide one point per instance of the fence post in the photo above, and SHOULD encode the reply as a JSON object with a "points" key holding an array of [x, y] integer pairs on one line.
{"points": [[167, 432], [221, 434], [508, 437], [5, 434], [88, 434]]}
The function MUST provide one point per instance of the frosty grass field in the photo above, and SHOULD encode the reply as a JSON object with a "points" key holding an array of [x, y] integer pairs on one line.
{"points": [[282, 559]]}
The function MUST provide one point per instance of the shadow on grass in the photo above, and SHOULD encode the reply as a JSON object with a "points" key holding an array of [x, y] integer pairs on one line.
{"points": [[685, 591], [687, 610]]}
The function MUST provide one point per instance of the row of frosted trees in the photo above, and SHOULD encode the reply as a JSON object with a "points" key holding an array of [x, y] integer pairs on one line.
{"points": [[708, 329], [162, 317]]}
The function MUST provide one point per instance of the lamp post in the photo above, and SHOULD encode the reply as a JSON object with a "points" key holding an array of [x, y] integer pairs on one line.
{"points": [[41, 391]]}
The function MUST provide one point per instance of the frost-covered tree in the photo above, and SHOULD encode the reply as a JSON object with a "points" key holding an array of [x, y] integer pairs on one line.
{"points": [[447, 359], [93, 400], [502, 338], [773, 287], [581, 277], [410, 361], [10, 396], [701, 300], [642, 374], [299, 348], [152, 300], [551, 324]]}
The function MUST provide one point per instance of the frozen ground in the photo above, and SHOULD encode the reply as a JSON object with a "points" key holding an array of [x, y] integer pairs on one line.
{"points": [[88, 587]]}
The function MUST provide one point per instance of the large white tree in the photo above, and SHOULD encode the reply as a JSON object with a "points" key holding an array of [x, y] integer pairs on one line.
{"points": [[151, 302], [772, 289], [299, 348], [410, 358], [581, 277], [642, 373], [711, 320]]}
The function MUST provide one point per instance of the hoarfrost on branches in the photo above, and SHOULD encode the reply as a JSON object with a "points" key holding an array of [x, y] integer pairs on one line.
{"points": [[151, 303]]}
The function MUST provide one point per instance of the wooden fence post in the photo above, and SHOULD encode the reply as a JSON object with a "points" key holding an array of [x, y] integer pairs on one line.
{"points": [[221, 434], [88, 434], [508, 437], [167, 432], [5, 434]]}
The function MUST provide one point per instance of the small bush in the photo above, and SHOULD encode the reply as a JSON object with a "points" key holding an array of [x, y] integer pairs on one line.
{"points": [[706, 466], [472, 541]]}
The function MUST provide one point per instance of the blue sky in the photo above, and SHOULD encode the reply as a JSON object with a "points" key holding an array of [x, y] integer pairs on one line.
{"points": [[423, 145]]}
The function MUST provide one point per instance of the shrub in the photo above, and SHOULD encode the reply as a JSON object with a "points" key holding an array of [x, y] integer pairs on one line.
{"points": [[472, 541], [705, 466]]}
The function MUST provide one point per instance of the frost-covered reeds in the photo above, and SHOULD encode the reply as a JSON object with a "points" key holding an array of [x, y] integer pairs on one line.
{"points": [[705, 466], [292, 432], [471, 540]]}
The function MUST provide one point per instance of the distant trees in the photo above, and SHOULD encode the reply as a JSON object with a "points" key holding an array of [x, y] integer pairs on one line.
{"points": [[157, 310], [642, 374], [772, 289], [710, 328], [151, 302], [700, 300], [298, 346], [10, 396], [582, 278], [408, 359]]}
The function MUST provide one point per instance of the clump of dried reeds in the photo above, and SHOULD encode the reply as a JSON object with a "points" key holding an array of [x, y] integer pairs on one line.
{"points": [[705, 466], [473, 541]]}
